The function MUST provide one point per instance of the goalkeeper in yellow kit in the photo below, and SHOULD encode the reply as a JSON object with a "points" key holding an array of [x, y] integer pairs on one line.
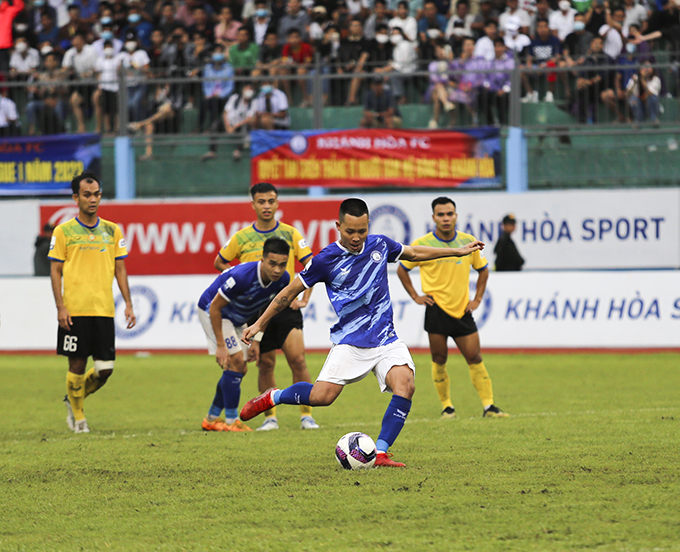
{"points": [[448, 308]]}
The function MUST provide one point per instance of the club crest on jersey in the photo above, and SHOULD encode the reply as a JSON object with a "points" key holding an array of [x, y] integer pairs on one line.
{"points": [[376, 256], [91, 237]]}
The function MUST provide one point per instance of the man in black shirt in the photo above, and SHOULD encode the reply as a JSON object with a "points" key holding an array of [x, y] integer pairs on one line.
{"points": [[508, 258], [380, 109]]}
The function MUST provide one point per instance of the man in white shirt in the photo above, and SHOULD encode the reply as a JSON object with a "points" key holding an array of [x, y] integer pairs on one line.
{"points": [[271, 108], [79, 62], [484, 47], [613, 32], [459, 26], [105, 98], [513, 10], [8, 117], [562, 21], [404, 21], [636, 14], [24, 60], [514, 40]]}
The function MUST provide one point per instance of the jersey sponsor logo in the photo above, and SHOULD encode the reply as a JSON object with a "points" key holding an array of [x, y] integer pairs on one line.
{"points": [[145, 304], [302, 244], [121, 243], [230, 283], [392, 222], [53, 241], [376, 256]]}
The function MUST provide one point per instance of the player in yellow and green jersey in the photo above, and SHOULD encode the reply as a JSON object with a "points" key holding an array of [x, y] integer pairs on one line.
{"points": [[285, 329], [86, 253], [448, 308]]}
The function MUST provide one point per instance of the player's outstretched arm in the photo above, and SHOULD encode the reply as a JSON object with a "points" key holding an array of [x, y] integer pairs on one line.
{"points": [[285, 297], [421, 253]]}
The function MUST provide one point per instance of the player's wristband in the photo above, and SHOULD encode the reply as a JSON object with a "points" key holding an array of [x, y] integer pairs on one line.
{"points": [[258, 336]]}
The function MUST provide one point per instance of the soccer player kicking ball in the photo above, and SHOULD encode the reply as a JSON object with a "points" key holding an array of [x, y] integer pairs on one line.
{"points": [[448, 308], [236, 296], [354, 270], [86, 253]]}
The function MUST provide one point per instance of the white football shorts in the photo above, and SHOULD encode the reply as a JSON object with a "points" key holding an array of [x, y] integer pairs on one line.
{"points": [[349, 364], [232, 334]]}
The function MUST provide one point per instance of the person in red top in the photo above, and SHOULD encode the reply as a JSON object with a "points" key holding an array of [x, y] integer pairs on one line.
{"points": [[8, 11], [297, 56]]}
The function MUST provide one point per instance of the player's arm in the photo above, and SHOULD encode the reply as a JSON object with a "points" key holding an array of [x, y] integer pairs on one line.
{"points": [[221, 264], [482, 279], [63, 316], [420, 253], [405, 279], [302, 303], [285, 297], [222, 354], [122, 279]]}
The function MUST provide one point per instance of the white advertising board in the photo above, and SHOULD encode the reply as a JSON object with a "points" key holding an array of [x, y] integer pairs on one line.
{"points": [[19, 226], [550, 309], [556, 230]]}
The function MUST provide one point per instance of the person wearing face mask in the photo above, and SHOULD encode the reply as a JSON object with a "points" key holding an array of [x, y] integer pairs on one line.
{"points": [[381, 53], [380, 16], [404, 62], [8, 12], [577, 43], [24, 61], [107, 36], [135, 61], [237, 120], [271, 108], [261, 24], [431, 19], [105, 98], [561, 22], [218, 84], [136, 23], [35, 14]]}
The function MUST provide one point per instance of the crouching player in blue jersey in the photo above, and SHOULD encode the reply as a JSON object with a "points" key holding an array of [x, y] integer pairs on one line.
{"points": [[235, 296], [354, 270]]}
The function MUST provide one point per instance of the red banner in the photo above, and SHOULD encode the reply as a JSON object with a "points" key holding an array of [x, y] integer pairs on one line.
{"points": [[167, 237], [377, 157]]}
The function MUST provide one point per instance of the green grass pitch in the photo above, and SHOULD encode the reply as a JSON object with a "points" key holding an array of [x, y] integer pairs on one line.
{"points": [[589, 460]]}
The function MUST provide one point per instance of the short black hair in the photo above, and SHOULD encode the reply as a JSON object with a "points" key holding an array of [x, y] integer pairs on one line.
{"points": [[353, 206], [263, 188], [404, 3], [87, 176], [498, 40], [443, 200], [278, 246], [293, 30]]}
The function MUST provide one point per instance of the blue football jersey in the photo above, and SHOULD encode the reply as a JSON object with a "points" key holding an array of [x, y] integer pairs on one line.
{"points": [[358, 290], [242, 286]]}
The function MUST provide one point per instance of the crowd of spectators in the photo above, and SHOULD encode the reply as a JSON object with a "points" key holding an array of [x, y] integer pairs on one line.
{"points": [[72, 52]]}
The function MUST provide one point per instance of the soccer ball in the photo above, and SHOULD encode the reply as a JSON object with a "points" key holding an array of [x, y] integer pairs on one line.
{"points": [[355, 451]]}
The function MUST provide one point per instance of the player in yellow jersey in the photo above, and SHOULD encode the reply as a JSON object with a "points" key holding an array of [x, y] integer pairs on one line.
{"points": [[86, 253], [285, 329], [448, 308]]}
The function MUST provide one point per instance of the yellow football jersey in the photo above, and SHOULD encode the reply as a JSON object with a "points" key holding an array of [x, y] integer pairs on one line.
{"points": [[89, 255], [246, 245], [447, 280]]}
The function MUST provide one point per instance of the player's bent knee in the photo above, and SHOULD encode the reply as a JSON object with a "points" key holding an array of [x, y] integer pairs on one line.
{"points": [[103, 366]]}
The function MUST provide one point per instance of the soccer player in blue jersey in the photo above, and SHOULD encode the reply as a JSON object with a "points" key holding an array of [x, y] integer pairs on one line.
{"points": [[236, 295], [354, 270]]}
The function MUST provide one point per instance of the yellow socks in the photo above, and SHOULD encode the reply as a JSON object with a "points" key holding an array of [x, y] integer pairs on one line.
{"points": [[271, 413], [440, 377], [92, 382], [75, 389], [305, 410], [482, 382]]}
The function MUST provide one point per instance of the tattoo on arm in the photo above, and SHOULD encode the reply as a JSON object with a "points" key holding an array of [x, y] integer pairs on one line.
{"points": [[281, 303]]}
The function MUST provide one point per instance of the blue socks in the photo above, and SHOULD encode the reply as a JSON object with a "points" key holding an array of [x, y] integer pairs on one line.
{"points": [[230, 383], [393, 421], [218, 403], [298, 393]]}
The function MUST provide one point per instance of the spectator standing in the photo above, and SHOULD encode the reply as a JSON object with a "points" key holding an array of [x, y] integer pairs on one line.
{"points": [[202, 25], [261, 23], [8, 13], [41, 264], [377, 18], [165, 20], [612, 33], [218, 84], [107, 35], [89, 11], [354, 52], [484, 47], [404, 62], [243, 56], [561, 22], [47, 108], [487, 12], [577, 43], [380, 109], [431, 19], [593, 82], [269, 58], [636, 14], [138, 25], [24, 61], [297, 57], [494, 92], [135, 61], [544, 51], [105, 98], [48, 33], [596, 16], [73, 27], [514, 40], [508, 258], [79, 63], [543, 11], [9, 117], [404, 21]]}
